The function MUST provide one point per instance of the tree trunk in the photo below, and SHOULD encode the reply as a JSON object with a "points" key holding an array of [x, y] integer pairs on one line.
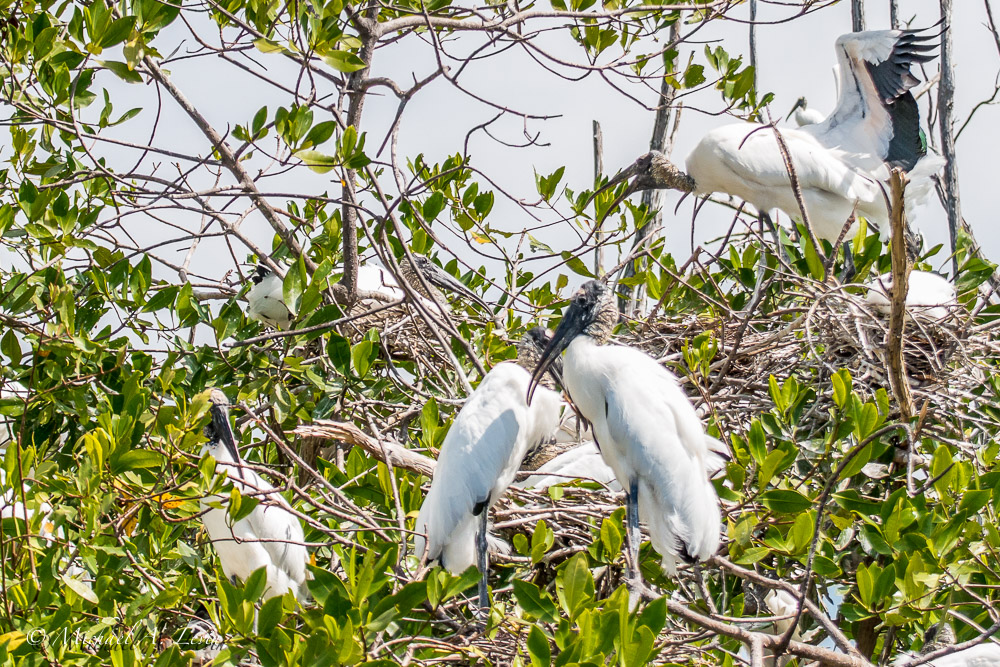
{"points": [[946, 107]]}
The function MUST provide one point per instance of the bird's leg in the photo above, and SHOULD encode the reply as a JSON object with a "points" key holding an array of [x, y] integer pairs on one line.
{"points": [[632, 536], [850, 270], [484, 600]]}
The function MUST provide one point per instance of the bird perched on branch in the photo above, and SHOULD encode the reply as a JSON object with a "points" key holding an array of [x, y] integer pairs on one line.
{"points": [[266, 299], [480, 456], [841, 163], [803, 114], [646, 429], [270, 536], [436, 279]]}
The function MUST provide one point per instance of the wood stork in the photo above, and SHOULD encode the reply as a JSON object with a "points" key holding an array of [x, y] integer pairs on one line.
{"points": [[929, 296], [585, 462], [266, 299], [803, 114], [270, 536], [842, 163], [646, 428], [938, 636], [437, 279], [479, 458]]}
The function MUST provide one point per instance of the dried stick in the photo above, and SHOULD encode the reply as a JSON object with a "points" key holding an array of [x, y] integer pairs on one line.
{"points": [[895, 364]]}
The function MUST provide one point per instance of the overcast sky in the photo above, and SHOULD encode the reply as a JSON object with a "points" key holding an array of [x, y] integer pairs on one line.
{"points": [[795, 59]]}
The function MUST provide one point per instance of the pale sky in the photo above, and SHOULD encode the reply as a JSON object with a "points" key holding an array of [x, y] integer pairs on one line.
{"points": [[795, 59]]}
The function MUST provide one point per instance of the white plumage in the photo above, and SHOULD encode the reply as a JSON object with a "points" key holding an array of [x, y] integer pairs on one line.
{"points": [[929, 295], [803, 115], [938, 636], [582, 462], [270, 536], [841, 163], [646, 428], [266, 299], [585, 462], [479, 458], [649, 435]]}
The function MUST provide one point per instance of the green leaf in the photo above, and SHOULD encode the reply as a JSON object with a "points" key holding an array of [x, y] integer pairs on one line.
{"points": [[535, 602], [785, 501], [80, 588], [813, 261], [756, 442], [117, 32], [344, 61], [267, 46], [361, 356], [576, 264], [316, 161], [136, 459], [576, 586], [538, 647], [121, 70]]}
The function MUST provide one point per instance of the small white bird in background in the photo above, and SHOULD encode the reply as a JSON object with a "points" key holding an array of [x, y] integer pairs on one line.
{"points": [[938, 636], [803, 114], [266, 299], [479, 458], [842, 163], [270, 536], [929, 296], [646, 429]]}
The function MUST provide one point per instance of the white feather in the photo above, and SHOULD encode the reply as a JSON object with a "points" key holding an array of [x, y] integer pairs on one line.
{"points": [[648, 431], [808, 117], [377, 280], [267, 302], [585, 462], [839, 162], [270, 536], [479, 458], [986, 654], [928, 295]]}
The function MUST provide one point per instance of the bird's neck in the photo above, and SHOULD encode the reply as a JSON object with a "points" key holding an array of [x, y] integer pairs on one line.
{"points": [[410, 276]]}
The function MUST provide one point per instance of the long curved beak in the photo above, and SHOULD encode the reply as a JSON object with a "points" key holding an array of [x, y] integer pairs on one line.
{"points": [[572, 325], [220, 423], [623, 175], [441, 278], [798, 103]]}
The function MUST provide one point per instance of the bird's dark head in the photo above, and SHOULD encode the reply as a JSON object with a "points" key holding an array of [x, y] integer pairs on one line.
{"points": [[218, 431], [938, 636], [259, 274], [530, 351], [652, 171], [799, 104], [592, 312]]}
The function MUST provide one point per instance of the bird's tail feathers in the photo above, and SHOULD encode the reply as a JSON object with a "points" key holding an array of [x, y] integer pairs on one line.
{"points": [[921, 181]]}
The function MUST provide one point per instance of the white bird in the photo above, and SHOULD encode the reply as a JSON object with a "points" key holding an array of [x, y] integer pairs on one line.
{"points": [[929, 295], [270, 536], [585, 462], [803, 114], [842, 163], [986, 654], [266, 299], [479, 458], [646, 428]]}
